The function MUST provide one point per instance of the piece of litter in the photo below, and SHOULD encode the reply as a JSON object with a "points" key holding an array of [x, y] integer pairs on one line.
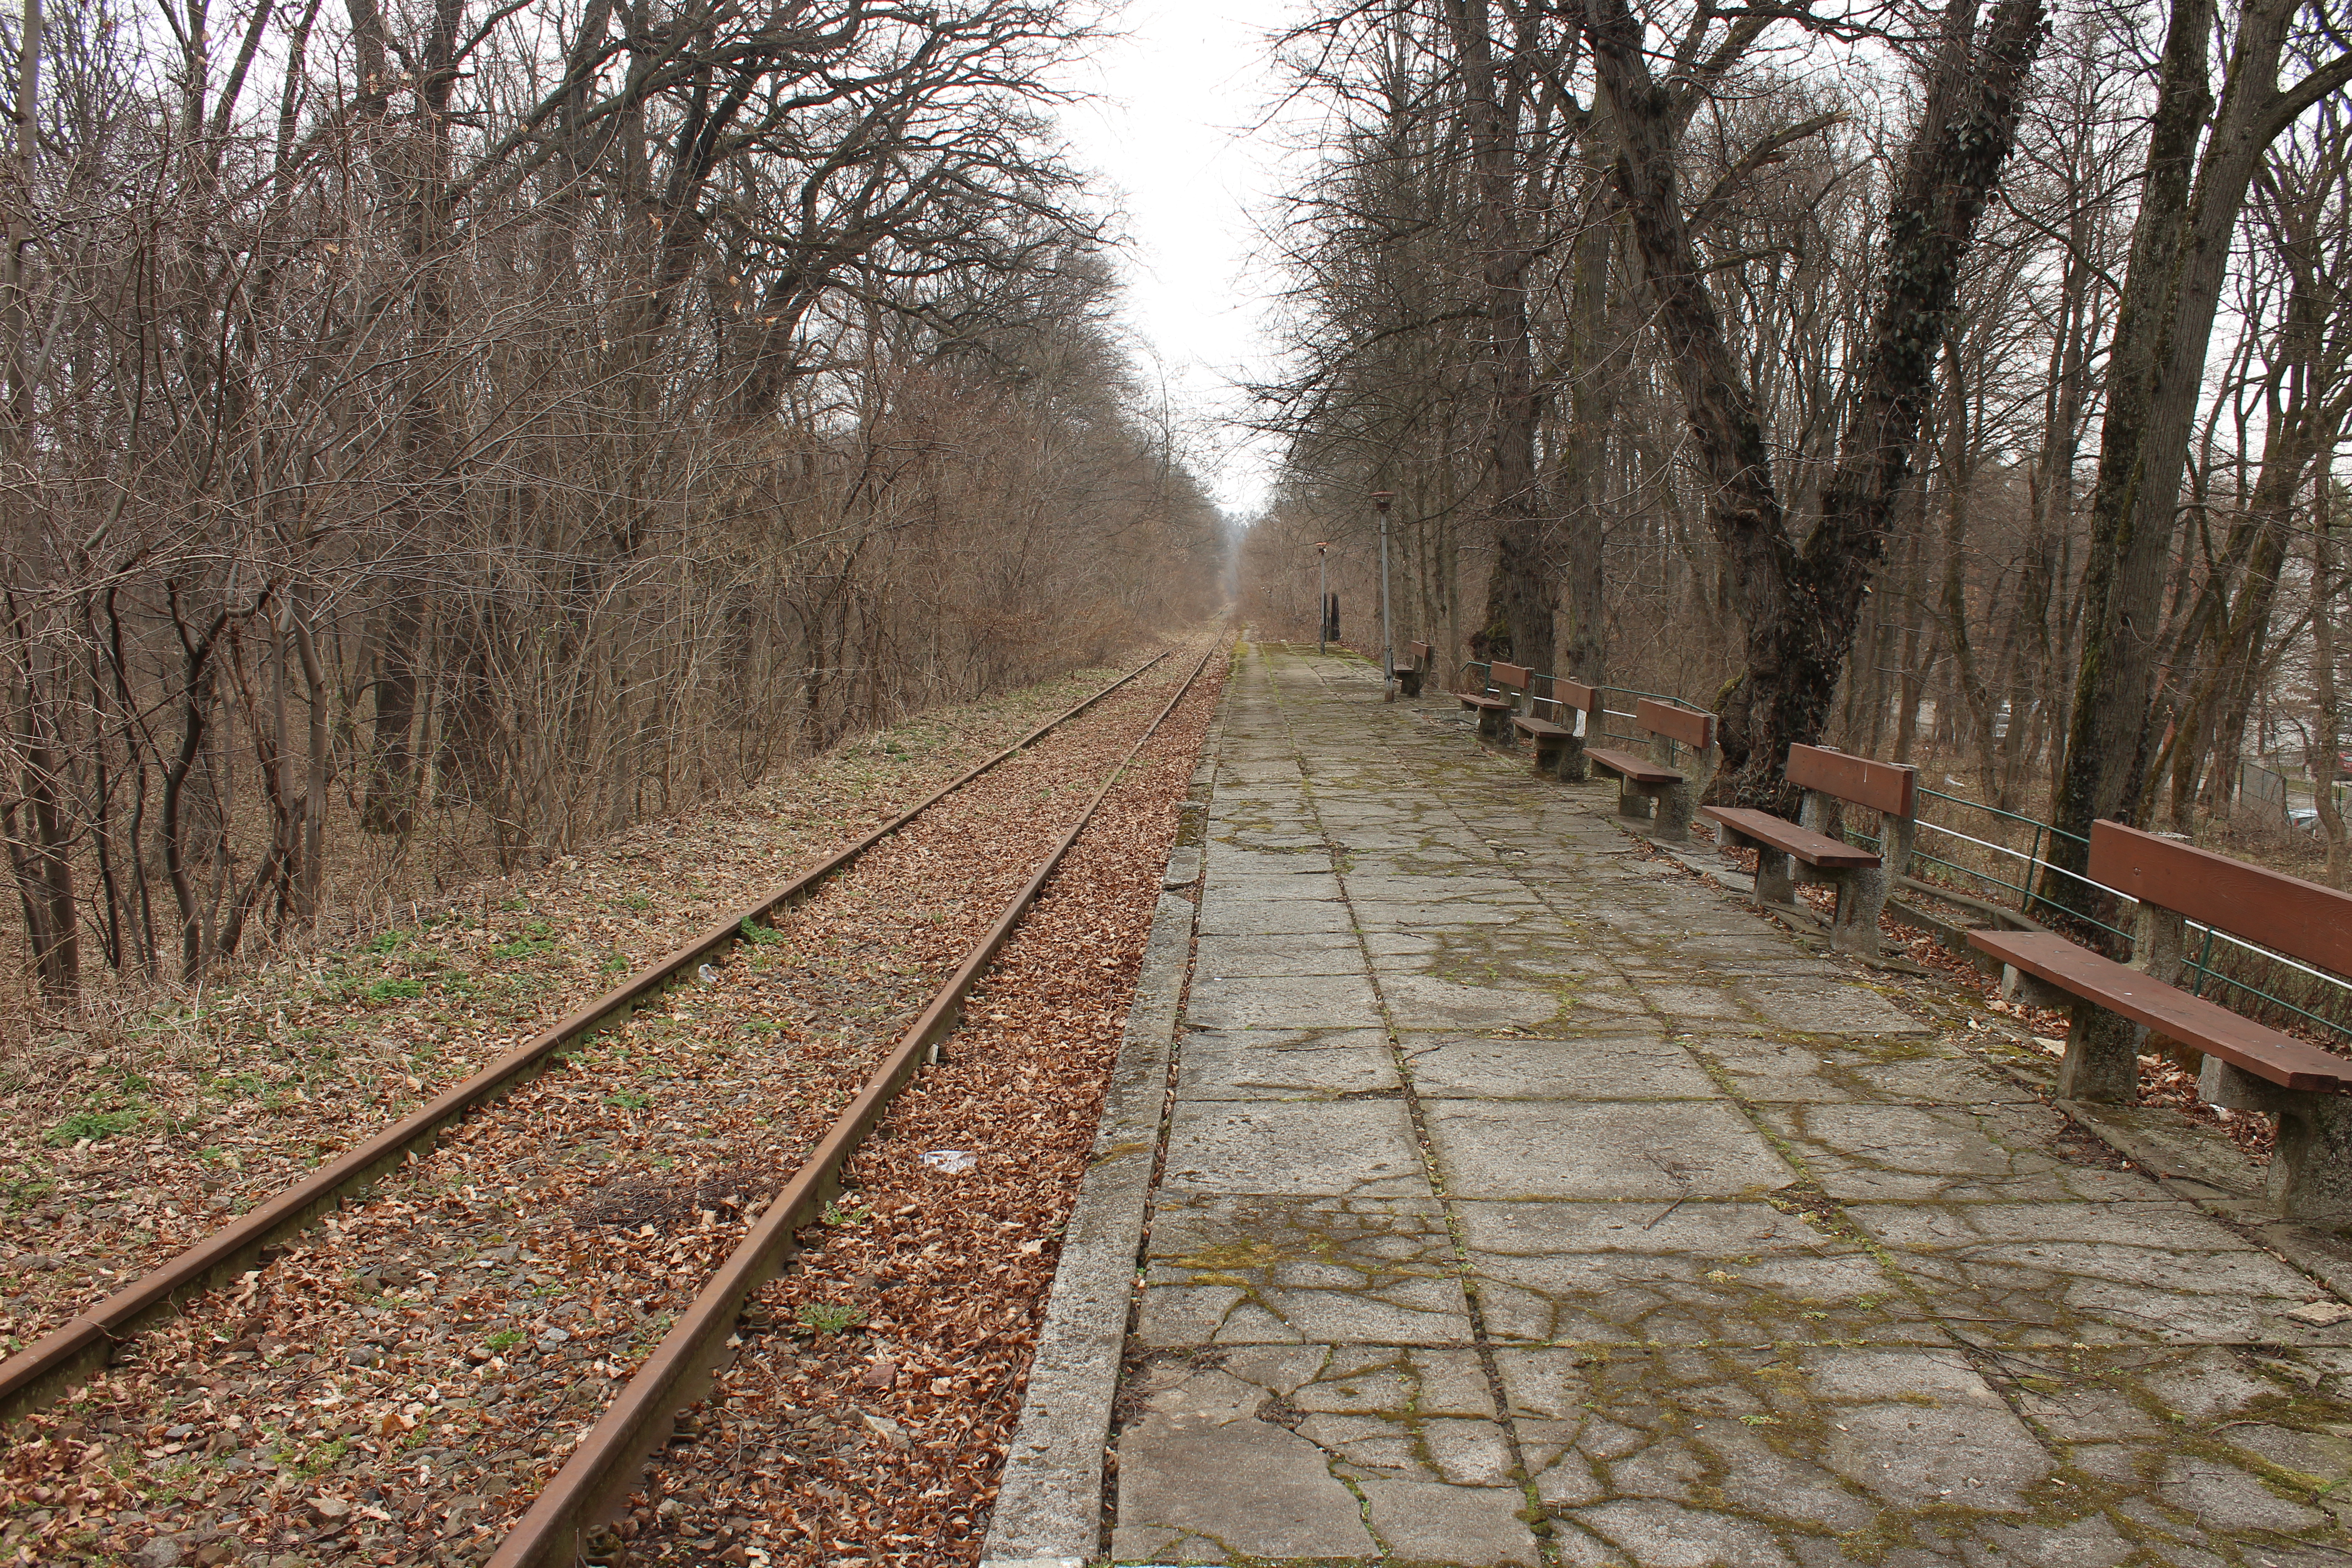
{"points": [[706, 974], [954, 1162], [2055, 1048], [889, 1431], [2320, 1314]]}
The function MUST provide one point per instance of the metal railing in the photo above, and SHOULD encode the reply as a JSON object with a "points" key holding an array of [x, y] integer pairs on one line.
{"points": [[1673, 748], [2328, 990], [2324, 989]]}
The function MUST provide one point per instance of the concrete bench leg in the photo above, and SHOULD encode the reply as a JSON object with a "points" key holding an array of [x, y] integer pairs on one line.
{"points": [[1408, 682], [1861, 894], [1674, 814], [1571, 766], [1547, 748], [2311, 1170], [2101, 1059], [1631, 802], [1490, 723], [1776, 882]]}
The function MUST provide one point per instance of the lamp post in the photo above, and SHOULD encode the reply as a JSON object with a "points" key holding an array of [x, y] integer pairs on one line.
{"points": [[1322, 594], [1381, 500]]}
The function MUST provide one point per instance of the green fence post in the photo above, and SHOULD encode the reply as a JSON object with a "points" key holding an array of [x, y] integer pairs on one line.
{"points": [[2033, 870]]}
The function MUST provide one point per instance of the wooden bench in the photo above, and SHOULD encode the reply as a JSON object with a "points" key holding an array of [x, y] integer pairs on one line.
{"points": [[1647, 787], [1505, 685], [1788, 853], [1409, 676], [1550, 723], [2247, 1066]]}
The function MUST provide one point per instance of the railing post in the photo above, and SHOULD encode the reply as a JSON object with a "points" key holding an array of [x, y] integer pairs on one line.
{"points": [[2033, 870], [1323, 597], [2205, 957], [1381, 498]]}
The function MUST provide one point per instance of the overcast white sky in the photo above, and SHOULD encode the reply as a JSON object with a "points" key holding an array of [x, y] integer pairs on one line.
{"points": [[1171, 130]]}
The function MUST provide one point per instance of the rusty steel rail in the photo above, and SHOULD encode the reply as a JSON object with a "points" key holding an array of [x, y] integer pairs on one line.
{"points": [[639, 1423], [71, 1352]]}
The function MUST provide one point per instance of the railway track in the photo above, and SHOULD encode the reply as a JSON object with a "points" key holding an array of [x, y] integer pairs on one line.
{"points": [[772, 1110]]}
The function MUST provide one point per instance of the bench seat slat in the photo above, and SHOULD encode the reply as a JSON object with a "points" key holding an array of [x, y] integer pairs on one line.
{"points": [[1470, 701], [1812, 849], [1637, 769], [2192, 1020], [1528, 726]]}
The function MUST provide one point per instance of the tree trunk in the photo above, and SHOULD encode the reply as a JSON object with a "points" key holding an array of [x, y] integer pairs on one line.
{"points": [[1968, 678], [314, 795], [1519, 590], [41, 842], [429, 498], [2325, 738], [1797, 605], [2156, 364], [1593, 375]]}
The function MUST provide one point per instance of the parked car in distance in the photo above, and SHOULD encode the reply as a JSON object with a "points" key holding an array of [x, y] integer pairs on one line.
{"points": [[2303, 819]]}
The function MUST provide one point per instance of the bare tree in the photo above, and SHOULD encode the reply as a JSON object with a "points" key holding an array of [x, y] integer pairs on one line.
{"points": [[440, 435], [1799, 600], [2156, 362]]}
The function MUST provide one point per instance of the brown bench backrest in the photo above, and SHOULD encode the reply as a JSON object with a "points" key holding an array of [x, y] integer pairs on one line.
{"points": [[1696, 730], [1420, 651], [1889, 787], [1575, 696], [2297, 918], [1510, 676]]}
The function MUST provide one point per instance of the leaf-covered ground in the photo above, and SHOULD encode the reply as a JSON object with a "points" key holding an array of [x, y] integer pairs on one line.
{"points": [[395, 1388], [867, 1421]]}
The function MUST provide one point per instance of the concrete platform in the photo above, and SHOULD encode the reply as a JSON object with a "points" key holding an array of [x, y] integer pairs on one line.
{"points": [[1524, 1200]]}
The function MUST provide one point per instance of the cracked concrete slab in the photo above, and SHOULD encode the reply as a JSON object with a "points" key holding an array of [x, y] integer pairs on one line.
{"points": [[1274, 888], [1229, 957], [1828, 1008], [2097, 1273], [1764, 1070], [1421, 1002], [1951, 1153], [1286, 1064], [1484, 1067], [1272, 1270], [1274, 1497], [1272, 920], [1688, 1272], [1282, 1002], [1552, 1149], [1353, 1147]]}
